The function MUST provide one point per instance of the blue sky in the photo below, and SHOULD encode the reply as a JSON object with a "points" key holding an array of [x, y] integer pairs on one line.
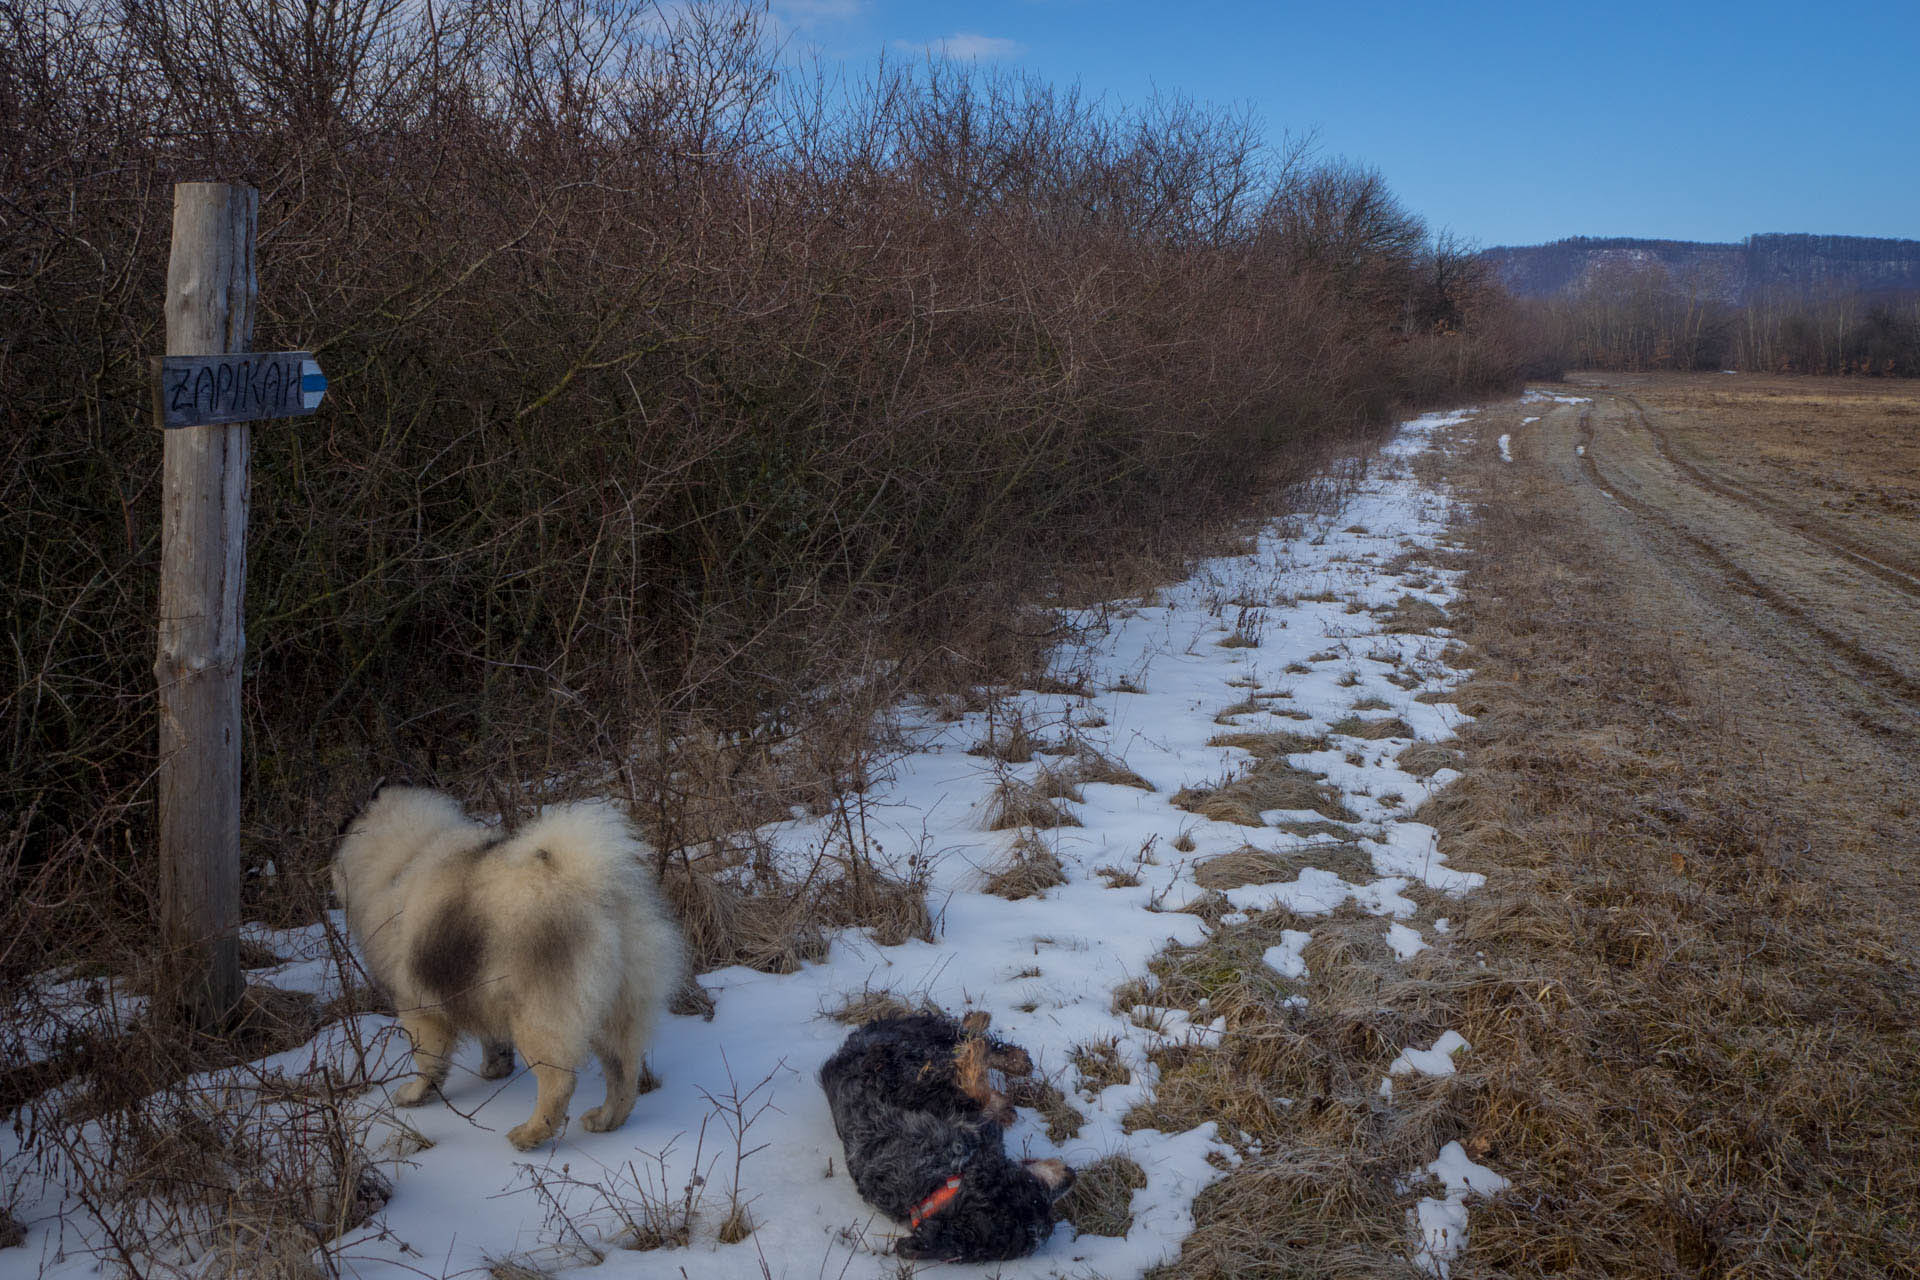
{"points": [[1506, 123]]}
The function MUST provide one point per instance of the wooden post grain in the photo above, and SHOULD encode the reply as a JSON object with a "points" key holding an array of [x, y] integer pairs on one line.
{"points": [[203, 577]]}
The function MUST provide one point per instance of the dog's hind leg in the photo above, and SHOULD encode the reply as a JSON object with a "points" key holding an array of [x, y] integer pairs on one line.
{"points": [[970, 1060], [496, 1059], [551, 1060], [433, 1038], [619, 1046]]}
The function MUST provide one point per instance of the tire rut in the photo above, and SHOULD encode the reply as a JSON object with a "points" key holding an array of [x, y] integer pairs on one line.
{"points": [[1885, 698], [1852, 550]]}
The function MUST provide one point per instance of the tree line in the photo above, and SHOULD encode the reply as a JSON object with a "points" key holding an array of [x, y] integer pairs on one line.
{"points": [[1641, 317]]}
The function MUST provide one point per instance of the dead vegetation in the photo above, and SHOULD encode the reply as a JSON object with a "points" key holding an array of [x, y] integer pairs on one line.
{"points": [[1270, 784], [1692, 1049], [1424, 759], [1030, 870], [1099, 1065], [1100, 1202], [1371, 729], [1248, 865], [1265, 746], [1032, 805], [680, 425], [1411, 615]]}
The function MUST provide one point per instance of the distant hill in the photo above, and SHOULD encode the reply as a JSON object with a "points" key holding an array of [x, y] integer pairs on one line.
{"points": [[1795, 264]]}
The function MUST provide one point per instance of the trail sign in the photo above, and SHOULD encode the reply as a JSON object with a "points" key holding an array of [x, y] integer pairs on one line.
{"points": [[200, 391]]}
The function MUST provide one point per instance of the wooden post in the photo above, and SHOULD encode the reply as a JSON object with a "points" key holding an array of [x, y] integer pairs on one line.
{"points": [[203, 578]]}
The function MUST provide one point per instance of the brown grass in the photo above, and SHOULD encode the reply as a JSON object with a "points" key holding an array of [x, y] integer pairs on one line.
{"points": [[1270, 784], [1737, 1038], [1100, 1203], [870, 1005], [1244, 707], [1248, 865], [1373, 730], [1411, 615], [1318, 827], [1092, 765], [1424, 759], [1009, 743], [1064, 1120], [1099, 1065], [1264, 746], [1030, 869], [1017, 804], [1691, 1054]]}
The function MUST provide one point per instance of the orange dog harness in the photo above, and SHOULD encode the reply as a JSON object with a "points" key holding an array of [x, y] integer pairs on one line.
{"points": [[940, 1199]]}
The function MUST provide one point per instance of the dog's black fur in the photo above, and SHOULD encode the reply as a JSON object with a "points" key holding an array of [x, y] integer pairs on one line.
{"points": [[910, 1118]]}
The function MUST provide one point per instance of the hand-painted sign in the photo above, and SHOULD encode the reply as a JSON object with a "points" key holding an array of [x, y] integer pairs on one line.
{"points": [[198, 391]]}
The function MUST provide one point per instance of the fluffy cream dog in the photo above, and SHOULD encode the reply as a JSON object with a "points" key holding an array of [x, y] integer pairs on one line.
{"points": [[551, 939]]}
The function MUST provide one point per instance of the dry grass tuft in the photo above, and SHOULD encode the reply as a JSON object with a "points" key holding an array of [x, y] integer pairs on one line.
{"points": [[511, 1269], [737, 1226], [1209, 906], [1064, 1120], [1244, 707], [1248, 865], [1101, 1201], [1424, 759], [1300, 1212], [871, 1005], [891, 908], [1017, 804], [1373, 730], [773, 931], [1411, 615], [1058, 783], [1265, 746], [1092, 765], [1008, 742], [1029, 871], [1270, 784], [1099, 1065]]}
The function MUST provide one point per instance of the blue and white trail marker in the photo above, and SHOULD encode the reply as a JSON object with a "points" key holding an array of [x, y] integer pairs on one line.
{"points": [[201, 391]]}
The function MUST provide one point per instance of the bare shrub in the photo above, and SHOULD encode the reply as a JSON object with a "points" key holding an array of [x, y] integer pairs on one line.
{"points": [[679, 420]]}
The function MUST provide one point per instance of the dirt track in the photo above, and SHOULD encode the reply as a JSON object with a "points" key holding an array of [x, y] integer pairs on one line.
{"points": [[1799, 618]]}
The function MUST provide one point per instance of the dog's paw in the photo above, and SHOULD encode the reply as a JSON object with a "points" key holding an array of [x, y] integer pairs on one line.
{"points": [[413, 1093], [603, 1118], [527, 1136]]}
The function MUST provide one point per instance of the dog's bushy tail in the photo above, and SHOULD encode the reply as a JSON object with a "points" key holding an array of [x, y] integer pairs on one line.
{"points": [[586, 842]]}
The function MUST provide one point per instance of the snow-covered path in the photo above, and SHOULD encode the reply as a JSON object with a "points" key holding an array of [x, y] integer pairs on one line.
{"points": [[1301, 614]]}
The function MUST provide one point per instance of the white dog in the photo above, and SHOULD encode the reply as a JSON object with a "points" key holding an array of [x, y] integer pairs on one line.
{"points": [[551, 939]]}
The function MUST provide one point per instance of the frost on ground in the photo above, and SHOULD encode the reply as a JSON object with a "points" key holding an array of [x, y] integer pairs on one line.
{"points": [[1305, 634]]}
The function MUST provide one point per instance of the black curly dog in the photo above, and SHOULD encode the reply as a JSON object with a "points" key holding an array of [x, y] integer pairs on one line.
{"points": [[922, 1124]]}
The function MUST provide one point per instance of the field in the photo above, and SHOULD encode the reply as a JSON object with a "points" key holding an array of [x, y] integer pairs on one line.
{"points": [[1691, 610]]}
